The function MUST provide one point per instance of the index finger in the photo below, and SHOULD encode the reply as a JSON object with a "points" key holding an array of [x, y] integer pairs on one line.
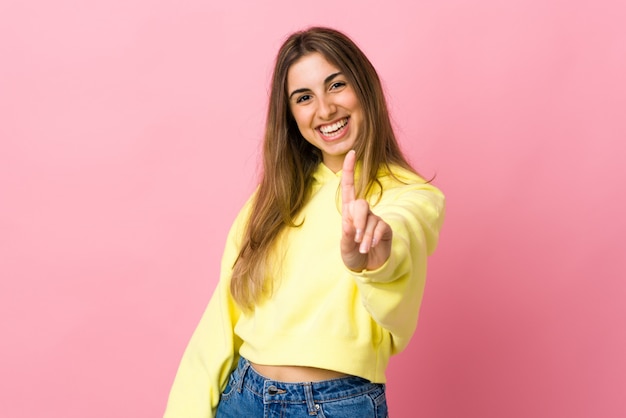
{"points": [[347, 178]]}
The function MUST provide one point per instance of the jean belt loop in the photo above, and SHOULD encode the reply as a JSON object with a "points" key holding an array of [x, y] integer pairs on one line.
{"points": [[242, 374], [310, 403]]}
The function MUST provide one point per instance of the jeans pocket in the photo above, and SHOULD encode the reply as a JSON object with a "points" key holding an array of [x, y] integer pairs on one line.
{"points": [[372, 404], [230, 389], [379, 399]]}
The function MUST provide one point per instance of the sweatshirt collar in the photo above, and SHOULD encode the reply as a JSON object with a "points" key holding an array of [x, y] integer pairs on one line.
{"points": [[323, 174]]}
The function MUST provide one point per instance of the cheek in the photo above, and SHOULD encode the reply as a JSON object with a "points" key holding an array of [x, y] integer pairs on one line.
{"points": [[356, 105], [351, 102], [302, 118]]}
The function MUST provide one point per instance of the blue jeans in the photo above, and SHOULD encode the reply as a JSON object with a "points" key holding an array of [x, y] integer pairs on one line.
{"points": [[250, 395]]}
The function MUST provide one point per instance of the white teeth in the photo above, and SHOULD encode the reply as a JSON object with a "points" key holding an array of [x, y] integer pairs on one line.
{"points": [[329, 129]]}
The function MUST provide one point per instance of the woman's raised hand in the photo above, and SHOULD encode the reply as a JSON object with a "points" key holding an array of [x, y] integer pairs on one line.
{"points": [[365, 238]]}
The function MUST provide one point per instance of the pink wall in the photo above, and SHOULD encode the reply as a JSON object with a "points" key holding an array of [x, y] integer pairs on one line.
{"points": [[128, 140]]}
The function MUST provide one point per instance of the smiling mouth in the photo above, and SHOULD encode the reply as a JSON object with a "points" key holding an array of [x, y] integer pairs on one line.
{"points": [[333, 129]]}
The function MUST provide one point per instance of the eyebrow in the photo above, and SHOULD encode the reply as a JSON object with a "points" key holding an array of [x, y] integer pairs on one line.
{"points": [[326, 81]]}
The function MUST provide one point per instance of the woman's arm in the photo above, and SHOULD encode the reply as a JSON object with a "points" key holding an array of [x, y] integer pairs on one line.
{"points": [[388, 258], [213, 351]]}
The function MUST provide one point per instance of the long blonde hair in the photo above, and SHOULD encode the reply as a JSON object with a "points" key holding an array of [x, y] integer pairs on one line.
{"points": [[289, 160]]}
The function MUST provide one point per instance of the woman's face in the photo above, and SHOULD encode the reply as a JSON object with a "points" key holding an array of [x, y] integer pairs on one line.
{"points": [[325, 107]]}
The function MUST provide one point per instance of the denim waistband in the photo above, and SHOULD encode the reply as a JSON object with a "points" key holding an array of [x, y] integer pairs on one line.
{"points": [[302, 392]]}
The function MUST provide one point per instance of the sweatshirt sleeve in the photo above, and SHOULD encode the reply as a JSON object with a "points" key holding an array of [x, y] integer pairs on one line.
{"points": [[212, 351], [392, 294]]}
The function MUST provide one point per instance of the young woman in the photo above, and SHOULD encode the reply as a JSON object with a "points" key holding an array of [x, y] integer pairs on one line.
{"points": [[324, 267]]}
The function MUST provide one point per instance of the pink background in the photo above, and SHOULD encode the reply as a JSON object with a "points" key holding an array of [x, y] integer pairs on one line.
{"points": [[129, 137]]}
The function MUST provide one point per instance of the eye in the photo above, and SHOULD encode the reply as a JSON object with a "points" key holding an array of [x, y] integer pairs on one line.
{"points": [[303, 98], [337, 85]]}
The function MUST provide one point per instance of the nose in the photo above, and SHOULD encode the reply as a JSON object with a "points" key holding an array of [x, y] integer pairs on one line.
{"points": [[327, 107]]}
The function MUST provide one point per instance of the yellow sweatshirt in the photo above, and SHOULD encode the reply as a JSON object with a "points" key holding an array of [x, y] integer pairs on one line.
{"points": [[319, 314]]}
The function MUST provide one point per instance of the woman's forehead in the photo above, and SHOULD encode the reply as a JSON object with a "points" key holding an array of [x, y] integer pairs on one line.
{"points": [[310, 70]]}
